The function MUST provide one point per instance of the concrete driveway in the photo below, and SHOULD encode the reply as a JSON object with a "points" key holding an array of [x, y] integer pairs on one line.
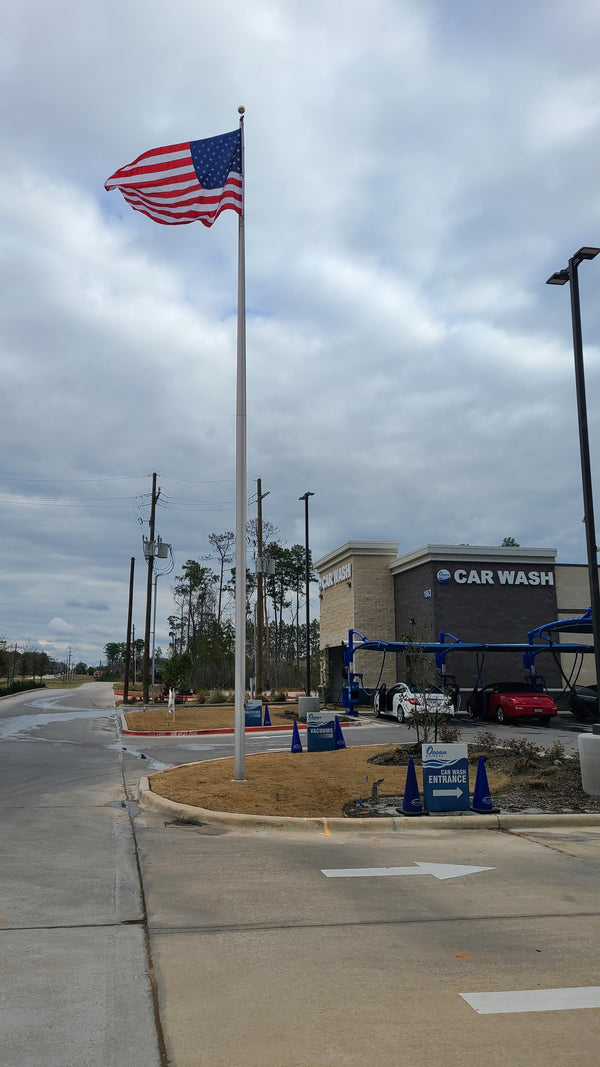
{"points": [[262, 959], [129, 938]]}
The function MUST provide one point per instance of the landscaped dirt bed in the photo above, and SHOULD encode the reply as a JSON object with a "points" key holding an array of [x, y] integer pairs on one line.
{"points": [[305, 784], [333, 784], [202, 717]]}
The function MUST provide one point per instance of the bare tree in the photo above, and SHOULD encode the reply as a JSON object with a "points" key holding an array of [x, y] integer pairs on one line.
{"points": [[224, 546]]}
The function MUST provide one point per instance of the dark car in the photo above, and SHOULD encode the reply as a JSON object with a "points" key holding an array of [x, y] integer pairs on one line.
{"points": [[511, 700], [583, 703]]}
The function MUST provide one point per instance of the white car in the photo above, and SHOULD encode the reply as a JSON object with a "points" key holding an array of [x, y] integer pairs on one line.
{"points": [[402, 700]]}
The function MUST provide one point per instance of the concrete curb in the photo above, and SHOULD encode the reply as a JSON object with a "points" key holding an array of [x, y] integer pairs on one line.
{"points": [[326, 826]]}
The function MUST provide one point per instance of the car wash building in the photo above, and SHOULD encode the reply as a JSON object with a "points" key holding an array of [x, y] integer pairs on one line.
{"points": [[474, 593]]}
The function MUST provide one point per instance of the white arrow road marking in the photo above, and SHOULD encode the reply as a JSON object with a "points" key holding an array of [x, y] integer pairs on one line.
{"points": [[534, 1000], [448, 792], [438, 870]]}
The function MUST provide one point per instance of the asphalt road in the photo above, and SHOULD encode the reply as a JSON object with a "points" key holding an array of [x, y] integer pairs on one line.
{"points": [[258, 956], [74, 985]]}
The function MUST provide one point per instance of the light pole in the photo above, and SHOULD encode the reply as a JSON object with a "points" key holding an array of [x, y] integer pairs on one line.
{"points": [[128, 642], [561, 277], [307, 586], [149, 554], [161, 546]]}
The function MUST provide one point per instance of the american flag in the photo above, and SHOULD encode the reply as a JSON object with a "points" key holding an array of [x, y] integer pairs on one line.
{"points": [[181, 183]]}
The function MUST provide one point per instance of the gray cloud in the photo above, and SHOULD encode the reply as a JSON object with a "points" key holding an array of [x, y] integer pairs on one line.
{"points": [[415, 171], [91, 605]]}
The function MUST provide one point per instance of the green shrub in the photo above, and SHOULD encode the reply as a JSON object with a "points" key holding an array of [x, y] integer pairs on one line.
{"points": [[216, 696], [21, 687], [555, 752], [521, 748], [448, 731], [487, 740]]}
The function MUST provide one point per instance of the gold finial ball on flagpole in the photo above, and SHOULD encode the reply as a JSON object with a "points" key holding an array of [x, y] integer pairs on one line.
{"points": [[241, 110]]}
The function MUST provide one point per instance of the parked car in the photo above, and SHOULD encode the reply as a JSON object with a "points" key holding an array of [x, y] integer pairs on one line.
{"points": [[382, 701], [402, 699], [511, 700], [583, 703]]}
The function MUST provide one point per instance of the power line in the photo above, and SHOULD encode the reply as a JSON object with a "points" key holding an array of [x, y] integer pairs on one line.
{"points": [[74, 481], [62, 504]]}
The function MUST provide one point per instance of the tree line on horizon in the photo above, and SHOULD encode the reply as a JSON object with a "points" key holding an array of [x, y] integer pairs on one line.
{"points": [[33, 663]]}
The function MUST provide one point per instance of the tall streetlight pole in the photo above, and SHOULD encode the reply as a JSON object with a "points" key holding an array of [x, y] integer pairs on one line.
{"points": [[561, 277], [149, 548], [128, 642], [307, 587], [162, 549]]}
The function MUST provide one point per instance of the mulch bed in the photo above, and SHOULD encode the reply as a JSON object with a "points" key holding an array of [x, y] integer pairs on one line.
{"points": [[538, 780]]}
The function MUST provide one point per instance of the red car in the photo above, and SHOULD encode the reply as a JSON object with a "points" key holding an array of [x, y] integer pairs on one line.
{"points": [[511, 700]]}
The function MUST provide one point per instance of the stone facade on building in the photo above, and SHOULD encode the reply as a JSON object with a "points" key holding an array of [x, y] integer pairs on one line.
{"points": [[573, 590], [356, 592]]}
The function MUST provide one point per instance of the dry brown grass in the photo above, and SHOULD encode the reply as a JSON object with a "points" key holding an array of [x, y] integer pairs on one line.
{"points": [[205, 717], [304, 784], [59, 683]]}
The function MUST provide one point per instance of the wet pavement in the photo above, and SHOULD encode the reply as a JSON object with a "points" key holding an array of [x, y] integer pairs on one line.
{"points": [[130, 937]]}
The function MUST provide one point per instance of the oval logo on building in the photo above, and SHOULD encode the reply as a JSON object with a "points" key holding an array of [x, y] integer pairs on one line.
{"points": [[443, 576]]}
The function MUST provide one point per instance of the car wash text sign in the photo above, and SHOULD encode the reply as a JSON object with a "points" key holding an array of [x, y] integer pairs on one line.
{"points": [[445, 777]]}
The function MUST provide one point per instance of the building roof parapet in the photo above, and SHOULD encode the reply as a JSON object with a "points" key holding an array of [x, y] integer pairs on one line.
{"points": [[473, 554], [356, 548]]}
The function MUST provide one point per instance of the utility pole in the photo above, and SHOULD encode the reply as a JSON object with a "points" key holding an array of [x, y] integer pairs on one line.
{"points": [[259, 589], [146, 668], [305, 497], [128, 644]]}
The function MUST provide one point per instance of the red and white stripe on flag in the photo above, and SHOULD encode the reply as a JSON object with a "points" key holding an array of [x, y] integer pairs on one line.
{"points": [[168, 184]]}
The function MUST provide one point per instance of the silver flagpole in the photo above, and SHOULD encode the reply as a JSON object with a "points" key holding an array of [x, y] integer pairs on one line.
{"points": [[240, 496]]}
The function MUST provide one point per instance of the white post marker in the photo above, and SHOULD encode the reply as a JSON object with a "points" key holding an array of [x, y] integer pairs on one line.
{"points": [[442, 871], [522, 1000]]}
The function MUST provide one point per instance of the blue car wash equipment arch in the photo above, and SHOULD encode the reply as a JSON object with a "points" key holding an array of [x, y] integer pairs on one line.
{"points": [[446, 766], [449, 643]]}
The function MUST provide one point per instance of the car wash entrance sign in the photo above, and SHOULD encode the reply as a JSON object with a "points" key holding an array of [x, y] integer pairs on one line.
{"points": [[445, 777]]}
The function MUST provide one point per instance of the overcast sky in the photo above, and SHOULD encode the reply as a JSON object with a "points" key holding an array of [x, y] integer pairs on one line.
{"points": [[415, 170]]}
